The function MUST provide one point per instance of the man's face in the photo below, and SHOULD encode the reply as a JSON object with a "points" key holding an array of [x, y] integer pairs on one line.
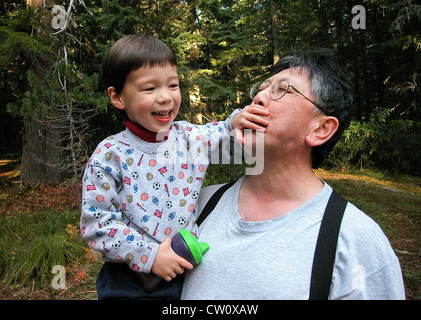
{"points": [[292, 117]]}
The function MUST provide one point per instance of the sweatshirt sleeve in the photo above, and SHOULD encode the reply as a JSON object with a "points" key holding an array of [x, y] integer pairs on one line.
{"points": [[228, 121], [104, 224], [211, 142]]}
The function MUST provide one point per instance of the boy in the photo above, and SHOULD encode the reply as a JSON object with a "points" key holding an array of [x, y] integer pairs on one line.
{"points": [[141, 185]]}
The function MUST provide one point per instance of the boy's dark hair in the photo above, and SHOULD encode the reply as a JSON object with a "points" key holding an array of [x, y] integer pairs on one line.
{"points": [[131, 53], [330, 86]]}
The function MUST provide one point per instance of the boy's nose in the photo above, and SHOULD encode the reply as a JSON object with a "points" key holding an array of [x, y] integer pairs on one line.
{"points": [[164, 97]]}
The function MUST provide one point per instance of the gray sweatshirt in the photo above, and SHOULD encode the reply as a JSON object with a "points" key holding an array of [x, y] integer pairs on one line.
{"points": [[137, 193]]}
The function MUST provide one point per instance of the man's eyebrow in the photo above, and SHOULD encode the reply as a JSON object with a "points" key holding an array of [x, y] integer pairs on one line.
{"points": [[270, 81]]}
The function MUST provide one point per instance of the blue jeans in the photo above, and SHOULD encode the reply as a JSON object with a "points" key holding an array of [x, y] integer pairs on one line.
{"points": [[118, 281]]}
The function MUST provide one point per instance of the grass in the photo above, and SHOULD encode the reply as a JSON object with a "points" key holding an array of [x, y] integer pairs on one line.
{"points": [[33, 243], [39, 229]]}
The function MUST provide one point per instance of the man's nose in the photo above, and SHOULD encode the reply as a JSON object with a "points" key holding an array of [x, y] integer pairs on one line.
{"points": [[262, 97]]}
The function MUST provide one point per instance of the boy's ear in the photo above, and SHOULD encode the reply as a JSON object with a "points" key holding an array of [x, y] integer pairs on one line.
{"points": [[115, 98], [326, 127]]}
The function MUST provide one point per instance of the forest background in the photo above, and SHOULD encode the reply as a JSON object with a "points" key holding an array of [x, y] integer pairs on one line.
{"points": [[54, 110]]}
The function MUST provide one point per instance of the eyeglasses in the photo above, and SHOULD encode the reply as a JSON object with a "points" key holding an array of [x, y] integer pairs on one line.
{"points": [[277, 91]]}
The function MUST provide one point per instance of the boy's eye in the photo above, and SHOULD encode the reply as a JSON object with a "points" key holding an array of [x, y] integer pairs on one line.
{"points": [[149, 89]]}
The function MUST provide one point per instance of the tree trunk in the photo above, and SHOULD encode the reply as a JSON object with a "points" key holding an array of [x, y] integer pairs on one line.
{"points": [[274, 32], [39, 157]]}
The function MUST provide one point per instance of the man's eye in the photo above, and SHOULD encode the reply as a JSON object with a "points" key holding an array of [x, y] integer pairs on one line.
{"points": [[281, 89]]}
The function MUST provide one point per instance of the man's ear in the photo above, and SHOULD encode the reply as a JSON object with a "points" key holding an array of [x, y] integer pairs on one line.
{"points": [[325, 128], [115, 98]]}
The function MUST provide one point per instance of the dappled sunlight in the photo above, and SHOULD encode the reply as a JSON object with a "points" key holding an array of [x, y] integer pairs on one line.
{"points": [[407, 183]]}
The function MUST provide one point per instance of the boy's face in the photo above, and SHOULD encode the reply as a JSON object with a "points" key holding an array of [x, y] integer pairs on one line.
{"points": [[150, 97]]}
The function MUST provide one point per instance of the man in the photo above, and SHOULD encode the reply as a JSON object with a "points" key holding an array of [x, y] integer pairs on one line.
{"points": [[263, 231]]}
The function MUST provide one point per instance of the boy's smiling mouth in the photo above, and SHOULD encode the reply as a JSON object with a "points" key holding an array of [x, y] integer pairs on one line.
{"points": [[163, 116]]}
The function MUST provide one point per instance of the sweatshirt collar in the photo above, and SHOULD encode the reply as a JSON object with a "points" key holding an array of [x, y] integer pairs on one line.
{"points": [[145, 134]]}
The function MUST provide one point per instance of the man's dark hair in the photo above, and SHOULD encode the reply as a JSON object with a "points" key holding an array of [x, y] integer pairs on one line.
{"points": [[131, 53], [330, 86]]}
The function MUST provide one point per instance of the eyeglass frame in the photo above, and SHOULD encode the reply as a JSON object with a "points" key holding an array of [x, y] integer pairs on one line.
{"points": [[272, 90]]}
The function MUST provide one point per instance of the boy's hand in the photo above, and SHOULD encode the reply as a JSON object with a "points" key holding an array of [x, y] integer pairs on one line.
{"points": [[251, 117], [167, 263]]}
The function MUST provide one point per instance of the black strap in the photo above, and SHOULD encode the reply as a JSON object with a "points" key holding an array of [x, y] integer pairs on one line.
{"points": [[324, 256], [213, 201]]}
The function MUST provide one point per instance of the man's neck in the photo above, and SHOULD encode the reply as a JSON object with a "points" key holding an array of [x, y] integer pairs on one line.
{"points": [[280, 179], [279, 189]]}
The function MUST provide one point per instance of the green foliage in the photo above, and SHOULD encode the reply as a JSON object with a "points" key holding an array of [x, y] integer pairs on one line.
{"points": [[57, 88], [223, 173], [32, 244], [100, 27], [222, 46], [382, 142], [17, 42], [398, 146]]}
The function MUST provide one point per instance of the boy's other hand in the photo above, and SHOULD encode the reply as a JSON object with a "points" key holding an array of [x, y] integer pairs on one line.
{"points": [[167, 263], [252, 117]]}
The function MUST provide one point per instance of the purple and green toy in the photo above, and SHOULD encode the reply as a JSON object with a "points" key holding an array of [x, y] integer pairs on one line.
{"points": [[186, 245]]}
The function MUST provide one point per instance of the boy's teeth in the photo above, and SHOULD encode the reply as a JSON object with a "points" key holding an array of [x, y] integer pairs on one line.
{"points": [[161, 114]]}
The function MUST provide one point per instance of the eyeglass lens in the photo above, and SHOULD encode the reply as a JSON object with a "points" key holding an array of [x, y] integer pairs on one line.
{"points": [[278, 89]]}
